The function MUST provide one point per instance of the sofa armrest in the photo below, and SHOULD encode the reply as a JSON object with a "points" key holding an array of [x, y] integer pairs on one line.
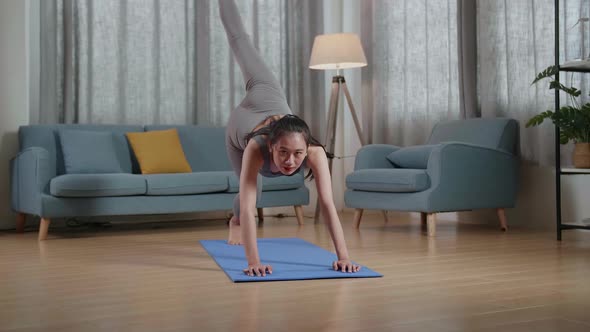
{"points": [[474, 174], [30, 174], [374, 156]]}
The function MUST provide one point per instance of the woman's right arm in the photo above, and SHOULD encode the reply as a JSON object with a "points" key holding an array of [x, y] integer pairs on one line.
{"points": [[251, 164]]}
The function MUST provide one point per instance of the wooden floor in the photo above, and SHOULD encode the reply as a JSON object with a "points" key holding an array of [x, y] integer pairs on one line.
{"points": [[156, 277]]}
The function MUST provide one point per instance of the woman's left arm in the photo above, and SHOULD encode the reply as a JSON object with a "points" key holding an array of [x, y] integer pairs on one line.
{"points": [[318, 162]]}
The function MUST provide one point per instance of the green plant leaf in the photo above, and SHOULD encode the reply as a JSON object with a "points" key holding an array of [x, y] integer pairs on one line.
{"points": [[548, 72], [573, 121], [539, 118], [563, 137], [570, 91]]}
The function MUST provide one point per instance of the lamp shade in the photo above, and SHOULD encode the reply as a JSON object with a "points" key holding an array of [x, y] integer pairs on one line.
{"points": [[337, 51]]}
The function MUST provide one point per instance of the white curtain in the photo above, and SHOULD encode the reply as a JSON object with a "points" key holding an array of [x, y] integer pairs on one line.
{"points": [[168, 62], [515, 42], [411, 81]]}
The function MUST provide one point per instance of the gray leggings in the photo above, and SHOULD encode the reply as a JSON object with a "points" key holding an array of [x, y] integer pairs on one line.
{"points": [[264, 95], [235, 157]]}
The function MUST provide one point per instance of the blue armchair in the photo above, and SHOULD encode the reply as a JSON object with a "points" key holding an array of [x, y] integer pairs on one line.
{"points": [[465, 165]]}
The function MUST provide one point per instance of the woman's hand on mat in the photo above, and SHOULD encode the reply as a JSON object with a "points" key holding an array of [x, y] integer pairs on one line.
{"points": [[345, 265], [258, 270]]}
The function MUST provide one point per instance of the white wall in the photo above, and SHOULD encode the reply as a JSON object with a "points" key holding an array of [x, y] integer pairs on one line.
{"points": [[13, 92], [535, 203]]}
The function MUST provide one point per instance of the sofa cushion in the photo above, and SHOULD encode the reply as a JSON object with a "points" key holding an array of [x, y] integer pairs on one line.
{"points": [[282, 182], [97, 185], [388, 180], [86, 151], [159, 151], [186, 183], [234, 183], [269, 184], [198, 141], [412, 156]]}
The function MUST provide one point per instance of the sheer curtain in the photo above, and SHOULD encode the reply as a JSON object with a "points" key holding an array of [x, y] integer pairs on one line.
{"points": [[168, 62], [412, 79], [515, 42]]}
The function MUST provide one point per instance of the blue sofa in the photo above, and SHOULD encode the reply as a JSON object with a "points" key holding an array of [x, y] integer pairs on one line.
{"points": [[465, 165], [40, 185]]}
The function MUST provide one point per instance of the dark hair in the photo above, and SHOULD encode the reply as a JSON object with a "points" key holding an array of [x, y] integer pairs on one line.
{"points": [[288, 124]]}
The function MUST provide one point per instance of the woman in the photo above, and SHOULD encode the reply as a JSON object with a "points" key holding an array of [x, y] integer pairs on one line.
{"points": [[263, 137]]}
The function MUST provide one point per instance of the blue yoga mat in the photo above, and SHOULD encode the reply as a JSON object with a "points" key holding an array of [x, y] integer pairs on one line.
{"points": [[290, 258]]}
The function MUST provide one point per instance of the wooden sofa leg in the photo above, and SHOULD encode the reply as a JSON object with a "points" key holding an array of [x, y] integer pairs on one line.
{"points": [[358, 214], [423, 218], [299, 214], [431, 224], [43, 228], [502, 217], [260, 212], [20, 222], [385, 219]]}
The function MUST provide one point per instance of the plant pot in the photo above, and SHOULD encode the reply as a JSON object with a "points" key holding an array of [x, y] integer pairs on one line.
{"points": [[582, 155]]}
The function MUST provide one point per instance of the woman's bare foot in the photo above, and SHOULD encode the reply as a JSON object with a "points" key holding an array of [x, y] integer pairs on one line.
{"points": [[235, 235]]}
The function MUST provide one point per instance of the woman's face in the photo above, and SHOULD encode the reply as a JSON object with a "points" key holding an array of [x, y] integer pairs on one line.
{"points": [[289, 152]]}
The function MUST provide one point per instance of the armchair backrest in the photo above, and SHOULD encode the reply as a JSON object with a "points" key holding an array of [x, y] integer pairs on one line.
{"points": [[496, 133]]}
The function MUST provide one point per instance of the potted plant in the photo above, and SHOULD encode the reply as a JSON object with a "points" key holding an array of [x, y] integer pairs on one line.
{"points": [[573, 120]]}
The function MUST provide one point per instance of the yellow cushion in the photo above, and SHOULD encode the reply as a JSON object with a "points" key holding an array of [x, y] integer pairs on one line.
{"points": [[159, 151]]}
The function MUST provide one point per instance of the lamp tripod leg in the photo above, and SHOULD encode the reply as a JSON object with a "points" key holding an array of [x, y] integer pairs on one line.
{"points": [[353, 112]]}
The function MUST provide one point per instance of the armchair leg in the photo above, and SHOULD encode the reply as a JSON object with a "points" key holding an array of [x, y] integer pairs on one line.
{"points": [[260, 213], [43, 228], [20, 222], [502, 217], [299, 214], [423, 218], [358, 214], [431, 224]]}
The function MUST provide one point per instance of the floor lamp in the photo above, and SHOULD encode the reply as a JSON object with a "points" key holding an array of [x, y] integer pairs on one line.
{"points": [[337, 51]]}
